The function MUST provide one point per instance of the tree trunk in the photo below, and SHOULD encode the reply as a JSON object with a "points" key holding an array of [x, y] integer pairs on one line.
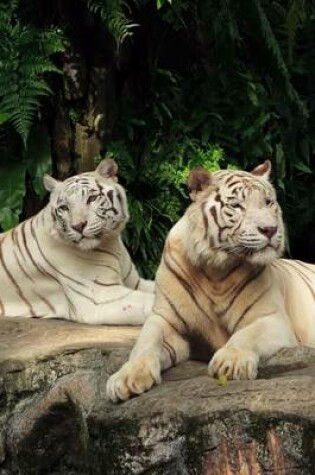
{"points": [[84, 105]]}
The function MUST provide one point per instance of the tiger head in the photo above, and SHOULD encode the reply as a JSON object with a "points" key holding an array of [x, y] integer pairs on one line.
{"points": [[89, 207], [235, 214]]}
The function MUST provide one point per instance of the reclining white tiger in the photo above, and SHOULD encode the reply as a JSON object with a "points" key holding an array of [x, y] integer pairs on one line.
{"points": [[221, 287], [69, 261]]}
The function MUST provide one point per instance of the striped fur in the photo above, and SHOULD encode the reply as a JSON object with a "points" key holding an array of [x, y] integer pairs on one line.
{"points": [[221, 287], [69, 261]]}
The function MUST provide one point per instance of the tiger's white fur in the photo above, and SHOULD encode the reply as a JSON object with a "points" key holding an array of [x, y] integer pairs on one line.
{"points": [[69, 261], [221, 287]]}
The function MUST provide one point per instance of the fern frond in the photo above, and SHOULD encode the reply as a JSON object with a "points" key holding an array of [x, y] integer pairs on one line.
{"points": [[294, 19], [112, 14], [25, 58], [276, 59]]}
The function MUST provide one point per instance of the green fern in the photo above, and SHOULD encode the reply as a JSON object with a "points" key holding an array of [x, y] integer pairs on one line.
{"points": [[112, 13], [270, 44], [295, 18], [24, 59]]}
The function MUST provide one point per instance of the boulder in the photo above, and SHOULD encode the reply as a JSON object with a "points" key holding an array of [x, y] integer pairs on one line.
{"points": [[55, 419]]}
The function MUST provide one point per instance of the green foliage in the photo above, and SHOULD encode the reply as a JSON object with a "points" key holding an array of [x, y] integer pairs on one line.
{"points": [[155, 151], [157, 192], [112, 13], [12, 190], [25, 57], [295, 18], [160, 3], [248, 95], [36, 161], [198, 77], [242, 91]]}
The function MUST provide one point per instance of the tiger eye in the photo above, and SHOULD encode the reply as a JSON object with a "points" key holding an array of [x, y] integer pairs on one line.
{"points": [[91, 199], [63, 208], [235, 205]]}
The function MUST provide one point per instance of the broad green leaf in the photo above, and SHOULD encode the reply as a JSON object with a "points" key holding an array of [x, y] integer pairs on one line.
{"points": [[12, 191], [302, 167], [38, 157], [8, 218], [4, 117]]}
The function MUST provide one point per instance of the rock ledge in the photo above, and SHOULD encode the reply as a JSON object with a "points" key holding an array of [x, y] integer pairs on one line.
{"points": [[54, 418]]}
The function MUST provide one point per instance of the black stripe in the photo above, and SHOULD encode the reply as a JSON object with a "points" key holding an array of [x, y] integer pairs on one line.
{"points": [[248, 308], [214, 214], [187, 275], [103, 284], [15, 238], [99, 303], [49, 305], [168, 322], [37, 267], [170, 350], [176, 312], [243, 285], [15, 284], [110, 195], [188, 289], [205, 221], [58, 271]]}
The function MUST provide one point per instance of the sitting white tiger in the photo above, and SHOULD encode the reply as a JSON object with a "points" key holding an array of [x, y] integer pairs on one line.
{"points": [[221, 288], [69, 261]]}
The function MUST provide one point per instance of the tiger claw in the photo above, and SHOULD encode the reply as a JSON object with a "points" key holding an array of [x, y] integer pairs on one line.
{"points": [[234, 364]]}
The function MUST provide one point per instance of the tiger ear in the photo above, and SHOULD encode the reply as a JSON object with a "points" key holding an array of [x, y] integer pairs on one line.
{"points": [[50, 183], [198, 180], [108, 168], [263, 170]]}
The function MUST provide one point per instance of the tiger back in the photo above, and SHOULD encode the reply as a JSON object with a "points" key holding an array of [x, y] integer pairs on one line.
{"points": [[69, 261]]}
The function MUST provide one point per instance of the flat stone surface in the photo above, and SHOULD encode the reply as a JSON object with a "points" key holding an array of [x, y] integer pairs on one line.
{"points": [[55, 419], [34, 339]]}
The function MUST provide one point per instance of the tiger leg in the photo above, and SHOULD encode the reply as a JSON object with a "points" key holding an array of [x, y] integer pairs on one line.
{"points": [[131, 277], [158, 347], [146, 285], [239, 357], [125, 307]]}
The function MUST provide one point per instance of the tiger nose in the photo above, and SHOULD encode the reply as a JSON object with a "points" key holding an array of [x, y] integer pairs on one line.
{"points": [[79, 226], [268, 231]]}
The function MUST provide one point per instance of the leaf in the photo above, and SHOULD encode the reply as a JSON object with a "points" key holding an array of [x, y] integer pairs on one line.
{"points": [[4, 117], [222, 380], [8, 218], [12, 191], [38, 157], [161, 3], [302, 167]]}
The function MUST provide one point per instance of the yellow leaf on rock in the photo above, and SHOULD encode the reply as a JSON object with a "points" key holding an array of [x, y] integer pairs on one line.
{"points": [[222, 380]]}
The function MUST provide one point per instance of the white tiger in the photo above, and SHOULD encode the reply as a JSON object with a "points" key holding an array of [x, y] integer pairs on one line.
{"points": [[221, 288], [69, 261]]}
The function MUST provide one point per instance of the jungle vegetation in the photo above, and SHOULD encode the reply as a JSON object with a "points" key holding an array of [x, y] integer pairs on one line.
{"points": [[161, 86]]}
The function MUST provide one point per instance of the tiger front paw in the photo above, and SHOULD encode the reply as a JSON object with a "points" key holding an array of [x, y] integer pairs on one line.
{"points": [[134, 378], [234, 364]]}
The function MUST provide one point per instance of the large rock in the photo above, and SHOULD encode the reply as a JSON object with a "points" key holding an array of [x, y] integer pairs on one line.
{"points": [[55, 419]]}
